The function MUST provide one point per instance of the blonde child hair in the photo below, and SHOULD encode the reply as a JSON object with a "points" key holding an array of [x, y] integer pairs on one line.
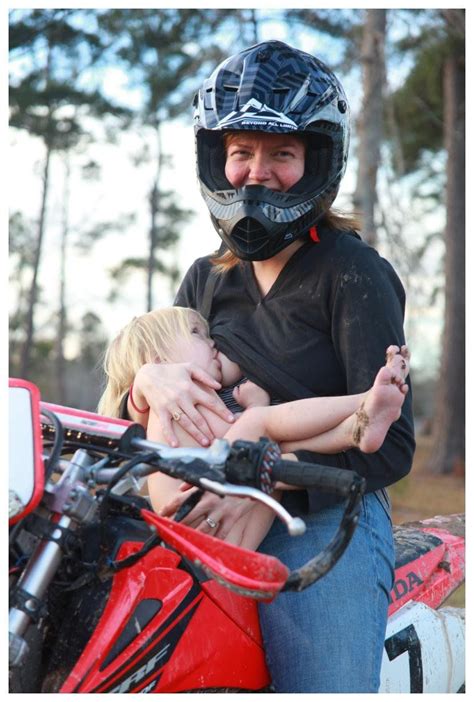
{"points": [[148, 338]]}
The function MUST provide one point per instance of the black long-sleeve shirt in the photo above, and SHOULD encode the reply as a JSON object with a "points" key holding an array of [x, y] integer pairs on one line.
{"points": [[321, 330]]}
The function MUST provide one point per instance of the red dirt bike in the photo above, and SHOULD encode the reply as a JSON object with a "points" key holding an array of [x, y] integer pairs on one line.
{"points": [[106, 596]]}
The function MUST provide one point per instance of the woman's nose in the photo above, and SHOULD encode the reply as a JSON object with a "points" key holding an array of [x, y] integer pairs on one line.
{"points": [[259, 168]]}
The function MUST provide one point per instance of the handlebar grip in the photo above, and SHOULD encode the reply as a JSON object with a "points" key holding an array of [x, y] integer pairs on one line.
{"points": [[314, 475]]}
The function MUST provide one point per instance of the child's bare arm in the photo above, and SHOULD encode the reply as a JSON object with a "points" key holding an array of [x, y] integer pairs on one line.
{"points": [[249, 394]]}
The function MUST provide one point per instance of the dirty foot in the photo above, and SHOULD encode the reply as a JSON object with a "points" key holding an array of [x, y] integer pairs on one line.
{"points": [[383, 402]]}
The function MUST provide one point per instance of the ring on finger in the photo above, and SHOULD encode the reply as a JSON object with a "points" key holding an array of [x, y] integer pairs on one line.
{"points": [[211, 522], [177, 415]]}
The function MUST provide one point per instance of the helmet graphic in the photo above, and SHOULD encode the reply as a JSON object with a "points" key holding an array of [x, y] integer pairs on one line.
{"points": [[274, 88]]}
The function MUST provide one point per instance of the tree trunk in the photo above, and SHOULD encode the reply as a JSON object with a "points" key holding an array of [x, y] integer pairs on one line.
{"points": [[33, 293], [154, 211], [254, 23], [62, 314], [448, 453], [370, 121], [25, 359]]}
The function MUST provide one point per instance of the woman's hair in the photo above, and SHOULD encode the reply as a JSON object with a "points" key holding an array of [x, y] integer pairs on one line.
{"points": [[145, 339], [332, 218]]}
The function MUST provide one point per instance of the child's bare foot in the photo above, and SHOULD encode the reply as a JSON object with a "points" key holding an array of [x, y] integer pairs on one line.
{"points": [[383, 402]]}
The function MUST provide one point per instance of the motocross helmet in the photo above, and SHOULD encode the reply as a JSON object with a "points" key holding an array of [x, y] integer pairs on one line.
{"points": [[274, 88]]}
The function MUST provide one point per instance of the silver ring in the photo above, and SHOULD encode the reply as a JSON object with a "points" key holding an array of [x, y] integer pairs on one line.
{"points": [[211, 522]]}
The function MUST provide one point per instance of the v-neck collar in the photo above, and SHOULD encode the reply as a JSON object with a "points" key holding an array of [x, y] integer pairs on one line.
{"points": [[251, 280]]}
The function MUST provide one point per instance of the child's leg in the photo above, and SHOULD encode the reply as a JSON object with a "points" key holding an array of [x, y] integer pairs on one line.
{"points": [[294, 421], [367, 427], [333, 424]]}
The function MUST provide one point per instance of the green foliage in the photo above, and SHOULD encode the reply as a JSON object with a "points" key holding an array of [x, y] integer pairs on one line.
{"points": [[418, 105], [171, 219], [49, 52], [20, 238], [28, 28], [88, 236], [342, 27], [165, 52]]}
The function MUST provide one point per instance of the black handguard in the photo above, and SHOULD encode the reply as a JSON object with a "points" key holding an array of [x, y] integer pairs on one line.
{"points": [[252, 463]]}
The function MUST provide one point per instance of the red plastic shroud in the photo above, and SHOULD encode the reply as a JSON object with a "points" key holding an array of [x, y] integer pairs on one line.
{"points": [[204, 636], [432, 574], [247, 572], [195, 623]]}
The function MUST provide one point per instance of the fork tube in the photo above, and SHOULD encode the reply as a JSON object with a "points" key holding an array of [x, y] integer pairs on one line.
{"points": [[37, 576]]}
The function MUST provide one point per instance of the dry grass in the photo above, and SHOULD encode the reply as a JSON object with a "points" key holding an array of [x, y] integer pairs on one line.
{"points": [[422, 494]]}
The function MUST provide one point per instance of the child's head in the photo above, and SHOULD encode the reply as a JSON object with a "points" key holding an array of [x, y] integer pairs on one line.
{"points": [[166, 335]]}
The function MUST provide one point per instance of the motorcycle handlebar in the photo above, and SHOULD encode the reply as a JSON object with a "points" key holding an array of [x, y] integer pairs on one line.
{"points": [[247, 464], [313, 475]]}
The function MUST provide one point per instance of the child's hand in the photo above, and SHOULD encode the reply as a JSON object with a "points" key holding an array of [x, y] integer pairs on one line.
{"points": [[249, 394]]}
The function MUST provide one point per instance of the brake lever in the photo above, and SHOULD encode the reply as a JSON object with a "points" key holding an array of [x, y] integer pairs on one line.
{"points": [[295, 525]]}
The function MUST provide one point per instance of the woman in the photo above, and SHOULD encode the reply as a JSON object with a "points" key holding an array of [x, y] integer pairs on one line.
{"points": [[297, 295]]}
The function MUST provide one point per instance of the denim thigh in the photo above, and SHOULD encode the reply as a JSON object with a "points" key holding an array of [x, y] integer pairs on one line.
{"points": [[329, 638]]}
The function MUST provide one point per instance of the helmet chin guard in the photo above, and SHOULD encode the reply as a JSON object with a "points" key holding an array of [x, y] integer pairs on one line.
{"points": [[254, 226], [272, 88]]}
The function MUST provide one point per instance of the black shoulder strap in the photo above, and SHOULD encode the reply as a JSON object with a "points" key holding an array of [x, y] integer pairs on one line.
{"points": [[208, 294]]}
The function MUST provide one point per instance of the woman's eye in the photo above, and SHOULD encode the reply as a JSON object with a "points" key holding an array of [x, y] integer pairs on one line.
{"points": [[239, 153]]}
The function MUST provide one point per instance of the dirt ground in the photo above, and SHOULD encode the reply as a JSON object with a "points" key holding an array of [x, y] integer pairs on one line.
{"points": [[422, 494]]}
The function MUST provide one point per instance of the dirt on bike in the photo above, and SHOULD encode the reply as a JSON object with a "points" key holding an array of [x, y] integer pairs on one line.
{"points": [[108, 597]]}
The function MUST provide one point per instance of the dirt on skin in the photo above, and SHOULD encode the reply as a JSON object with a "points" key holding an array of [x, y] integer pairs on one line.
{"points": [[361, 424]]}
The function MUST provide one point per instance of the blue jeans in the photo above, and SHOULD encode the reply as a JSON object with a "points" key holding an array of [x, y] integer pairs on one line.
{"points": [[330, 637]]}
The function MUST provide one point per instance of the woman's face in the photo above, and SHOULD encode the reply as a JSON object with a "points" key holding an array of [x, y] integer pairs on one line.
{"points": [[256, 158], [199, 348]]}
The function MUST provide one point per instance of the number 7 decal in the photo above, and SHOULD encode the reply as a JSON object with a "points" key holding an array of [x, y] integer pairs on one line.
{"points": [[407, 640]]}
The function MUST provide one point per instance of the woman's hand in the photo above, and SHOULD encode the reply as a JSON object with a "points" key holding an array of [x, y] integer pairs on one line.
{"points": [[173, 389], [222, 511]]}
